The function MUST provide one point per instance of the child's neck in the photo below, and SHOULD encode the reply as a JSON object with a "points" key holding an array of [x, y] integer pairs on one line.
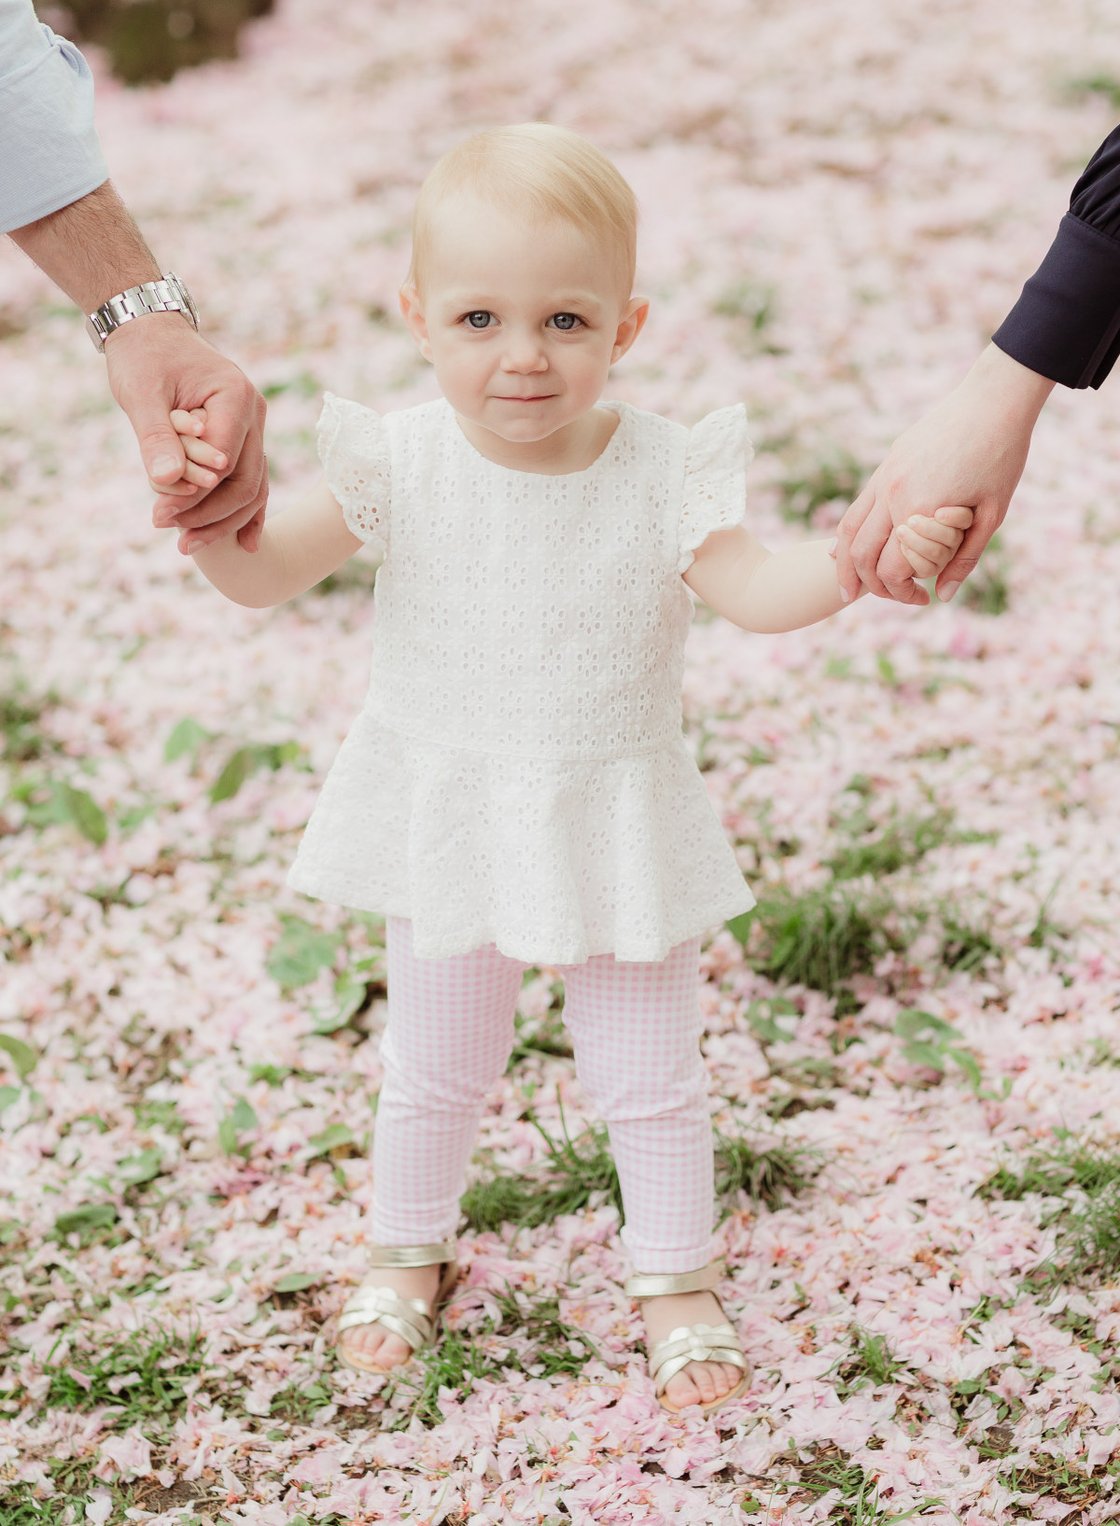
{"points": [[571, 449]]}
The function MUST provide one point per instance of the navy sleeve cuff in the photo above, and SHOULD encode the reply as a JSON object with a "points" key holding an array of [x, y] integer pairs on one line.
{"points": [[1066, 323]]}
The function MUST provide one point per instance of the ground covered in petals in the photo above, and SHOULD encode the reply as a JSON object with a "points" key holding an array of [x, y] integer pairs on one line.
{"points": [[912, 1042]]}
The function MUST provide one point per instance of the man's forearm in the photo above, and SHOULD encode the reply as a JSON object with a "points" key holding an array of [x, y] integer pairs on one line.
{"points": [[91, 249]]}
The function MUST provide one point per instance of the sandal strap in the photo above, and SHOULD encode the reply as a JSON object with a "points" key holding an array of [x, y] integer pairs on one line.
{"points": [[407, 1317], [694, 1343], [412, 1255], [654, 1284], [412, 1319]]}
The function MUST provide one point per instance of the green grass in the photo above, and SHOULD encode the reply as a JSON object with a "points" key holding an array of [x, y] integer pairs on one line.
{"points": [[834, 476], [296, 1403], [579, 1173], [75, 1480], [988, 590], [456, 1363], [158, 1364], [752, 306], [1087, 1244], [964, 945], [558, 1347], [22, 739], [1102, 84], [818, 938], [1053, 1478], [829, 1469], [752, 300], [460, 1358], [884, 849], [573, 1173], [870, 1362], [771, 1176], [544, 1036]]}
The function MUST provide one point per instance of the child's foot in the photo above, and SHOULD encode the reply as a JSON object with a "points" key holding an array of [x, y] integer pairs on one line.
{"points": [[372, 1345], [697, 1382]]}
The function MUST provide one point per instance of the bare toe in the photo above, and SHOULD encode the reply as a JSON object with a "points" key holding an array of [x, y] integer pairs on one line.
{"points": [[681, 1390], [374, 1346]]}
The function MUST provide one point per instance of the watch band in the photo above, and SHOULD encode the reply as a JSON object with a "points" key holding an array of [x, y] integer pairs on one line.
{"points": [[167, 295]]}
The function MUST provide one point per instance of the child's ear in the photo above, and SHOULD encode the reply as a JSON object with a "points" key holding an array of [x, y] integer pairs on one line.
{"points": [[630, 326], [413, 315]]}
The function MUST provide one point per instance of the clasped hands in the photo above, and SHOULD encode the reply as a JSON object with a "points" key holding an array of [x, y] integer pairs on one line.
{"points": [[158, 365]]}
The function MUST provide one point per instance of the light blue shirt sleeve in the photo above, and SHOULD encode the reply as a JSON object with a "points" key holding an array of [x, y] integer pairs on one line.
{"points": [[49, 153]]}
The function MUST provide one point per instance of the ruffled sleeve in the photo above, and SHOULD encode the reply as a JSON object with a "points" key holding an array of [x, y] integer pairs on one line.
{"points": [[354, 450], [715, 479]]}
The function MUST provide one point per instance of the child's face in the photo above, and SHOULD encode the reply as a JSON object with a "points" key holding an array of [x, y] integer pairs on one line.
{"points": [[522, 320]]}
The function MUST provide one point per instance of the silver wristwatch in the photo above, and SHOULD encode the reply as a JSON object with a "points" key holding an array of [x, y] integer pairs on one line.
{"points": [[167, 295]]}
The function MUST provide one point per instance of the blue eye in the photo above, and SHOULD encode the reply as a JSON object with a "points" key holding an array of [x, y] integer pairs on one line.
{"points": [[566, 322], [479, 320]]}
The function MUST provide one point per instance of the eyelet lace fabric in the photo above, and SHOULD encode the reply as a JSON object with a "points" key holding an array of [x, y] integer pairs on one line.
{"points": [[518, 774]]}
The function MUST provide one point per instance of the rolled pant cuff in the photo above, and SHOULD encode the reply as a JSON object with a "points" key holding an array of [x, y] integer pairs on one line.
{"points": [[650, 1258]]}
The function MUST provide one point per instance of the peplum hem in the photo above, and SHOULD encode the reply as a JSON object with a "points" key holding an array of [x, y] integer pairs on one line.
{"points": [[553, 862]]}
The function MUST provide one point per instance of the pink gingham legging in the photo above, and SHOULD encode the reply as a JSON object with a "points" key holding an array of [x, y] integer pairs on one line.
{"points": [[635, 1032]]}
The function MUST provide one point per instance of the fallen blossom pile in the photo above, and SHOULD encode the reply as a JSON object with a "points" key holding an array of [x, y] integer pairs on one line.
{"points": [[912, 1044]]}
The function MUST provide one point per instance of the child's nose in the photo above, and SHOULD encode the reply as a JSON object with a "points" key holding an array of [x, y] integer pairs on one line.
{"points": [[524, 352]]}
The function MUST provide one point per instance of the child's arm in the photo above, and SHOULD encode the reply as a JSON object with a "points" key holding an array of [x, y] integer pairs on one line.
{"points": [[297, 549], [767, 591]]}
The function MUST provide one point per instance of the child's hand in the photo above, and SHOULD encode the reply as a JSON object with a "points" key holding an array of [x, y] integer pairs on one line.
{"points": [[930, 544], [189, 426]]}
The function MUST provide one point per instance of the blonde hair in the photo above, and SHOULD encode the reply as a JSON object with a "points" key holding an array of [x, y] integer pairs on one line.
{"points": [[534, 167]]}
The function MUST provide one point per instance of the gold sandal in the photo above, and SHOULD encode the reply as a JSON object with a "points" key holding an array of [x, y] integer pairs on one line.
{"points": [[690, 1343], [410, 1318]]}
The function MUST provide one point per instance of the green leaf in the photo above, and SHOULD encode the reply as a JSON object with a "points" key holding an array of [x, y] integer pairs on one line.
{"points": [[240, 765], [887, 670], [8, 1095], [247, 760], [761, 1016], [294, 1281], [912, 1022], [135, 815], [141, 1167], [351, 993], [88, 1216], [273, 1074], [739, 927], [920, 1053], [187, 736], [83, 811], [967, 1063], [243, 1115], [971, 1385], [300, 953], [336, 1134], [24, 1058], [923, 1504]]}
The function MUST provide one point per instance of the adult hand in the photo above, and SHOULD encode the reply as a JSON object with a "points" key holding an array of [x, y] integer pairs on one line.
{"points": [[970, 449], [157, 363]]}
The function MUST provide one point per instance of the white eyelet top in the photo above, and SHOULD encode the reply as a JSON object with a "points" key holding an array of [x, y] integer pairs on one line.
{"points": [[517, 774]]}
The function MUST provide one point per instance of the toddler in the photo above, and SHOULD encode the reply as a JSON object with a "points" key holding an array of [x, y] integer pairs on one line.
{"points": [[517, 790]]}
